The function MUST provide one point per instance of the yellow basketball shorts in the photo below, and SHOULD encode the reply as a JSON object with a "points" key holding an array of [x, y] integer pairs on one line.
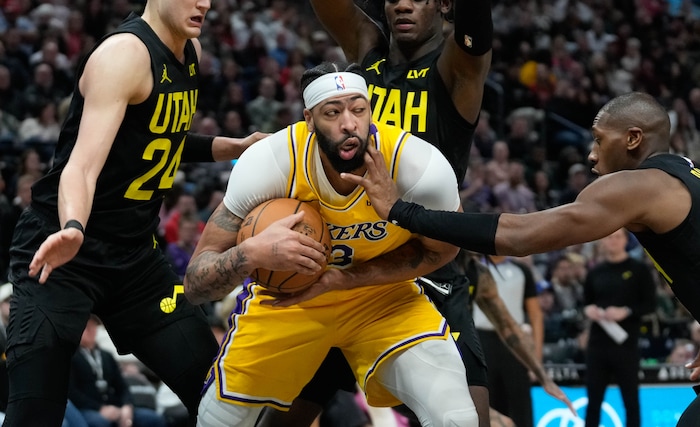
{"points": [[270, 353]]}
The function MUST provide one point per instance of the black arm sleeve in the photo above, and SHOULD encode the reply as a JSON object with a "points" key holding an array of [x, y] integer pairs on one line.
{"points": [[471, 231], [198, 148], [473, 26]]}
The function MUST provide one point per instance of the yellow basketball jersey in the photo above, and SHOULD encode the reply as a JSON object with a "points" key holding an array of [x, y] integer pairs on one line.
{"points": [[269, 353], [357, 232]]}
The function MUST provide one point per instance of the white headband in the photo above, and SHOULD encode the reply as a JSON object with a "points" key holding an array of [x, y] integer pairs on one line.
{"points": [[333, 84]]}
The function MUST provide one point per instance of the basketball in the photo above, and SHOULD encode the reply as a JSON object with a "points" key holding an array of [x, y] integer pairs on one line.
{"points": [[312, 225]]}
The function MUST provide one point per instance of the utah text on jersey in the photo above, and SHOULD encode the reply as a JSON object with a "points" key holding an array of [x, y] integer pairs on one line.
{"points": [[407, 110], [172, 115], [174, 110]]}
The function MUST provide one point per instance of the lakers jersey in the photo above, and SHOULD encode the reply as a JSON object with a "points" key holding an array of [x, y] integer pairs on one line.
{"points": [[293, 169], [357, 233], [145, 155], [269, 353]]}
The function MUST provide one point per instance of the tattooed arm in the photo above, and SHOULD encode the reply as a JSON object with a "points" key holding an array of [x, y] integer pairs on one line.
{"points": [[520, 344], [414, 258], [218, 265]]}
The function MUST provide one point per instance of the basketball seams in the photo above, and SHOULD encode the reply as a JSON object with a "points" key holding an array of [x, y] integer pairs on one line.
{"points": [[259, 215]]}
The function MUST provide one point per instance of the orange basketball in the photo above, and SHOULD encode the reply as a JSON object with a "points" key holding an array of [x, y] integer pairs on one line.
{"points": [[312, 225]]}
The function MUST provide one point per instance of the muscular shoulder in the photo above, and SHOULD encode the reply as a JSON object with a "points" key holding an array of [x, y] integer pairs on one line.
{"points": [[247, 187], [643, 197], [121, 61]]}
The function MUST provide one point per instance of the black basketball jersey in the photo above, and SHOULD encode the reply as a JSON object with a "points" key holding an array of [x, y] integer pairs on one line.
{"points": [[676, 254], [414, 97], [145, 156]]}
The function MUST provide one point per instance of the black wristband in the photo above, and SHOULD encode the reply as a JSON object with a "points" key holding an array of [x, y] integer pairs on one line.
{"points": [[74, 223], [471, 231], [473, 26], [198, 148]]}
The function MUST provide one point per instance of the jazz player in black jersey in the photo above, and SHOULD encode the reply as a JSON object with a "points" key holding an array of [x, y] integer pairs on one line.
{"points": [[86, 244], [431, 83], [642, 187]]}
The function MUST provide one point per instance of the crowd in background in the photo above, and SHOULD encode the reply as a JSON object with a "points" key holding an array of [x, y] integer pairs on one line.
{"points": [[555, 63]]}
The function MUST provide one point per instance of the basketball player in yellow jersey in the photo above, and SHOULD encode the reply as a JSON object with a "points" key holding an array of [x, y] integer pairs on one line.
{"points": [[271, 352]]}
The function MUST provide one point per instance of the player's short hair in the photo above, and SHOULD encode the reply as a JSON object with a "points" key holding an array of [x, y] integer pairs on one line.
{"points": [[638, 109]]}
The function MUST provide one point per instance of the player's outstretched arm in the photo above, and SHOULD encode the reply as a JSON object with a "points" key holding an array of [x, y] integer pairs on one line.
{"points": [[612, 201], [210, 148], [466, 57], [225, 148], [218, 265], [349, 26]]}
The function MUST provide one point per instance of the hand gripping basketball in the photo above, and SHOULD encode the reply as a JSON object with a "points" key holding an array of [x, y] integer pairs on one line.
{"points": [[312, 225]]}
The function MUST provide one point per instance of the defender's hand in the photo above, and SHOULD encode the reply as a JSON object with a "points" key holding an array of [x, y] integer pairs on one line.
{"points": [[57, 249], [379, 186]]}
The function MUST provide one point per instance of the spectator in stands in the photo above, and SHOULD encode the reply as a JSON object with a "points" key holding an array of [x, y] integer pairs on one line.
{"points": [[597, 38], [694, 105], [74, 38], [98, 388], [552, 318], [685, 137], [10, 215], [682, 352], [514, 195], [186, 206], [320, 43], [180, 251], [232, 125], [42, 88], [475, 193], [498, 167], [51, 55], [568, 292], [233, 99], [521, 136], [30, 164], [211, 83], [545, 196], [40, 130], [632, 58], [10, 96], [264, 107], [579, 177], [484, 135]]}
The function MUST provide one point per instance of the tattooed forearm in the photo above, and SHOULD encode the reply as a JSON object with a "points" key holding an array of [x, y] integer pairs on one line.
{"points": [[507, 328], [408, 261], [211, 276], [225, 220]]}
